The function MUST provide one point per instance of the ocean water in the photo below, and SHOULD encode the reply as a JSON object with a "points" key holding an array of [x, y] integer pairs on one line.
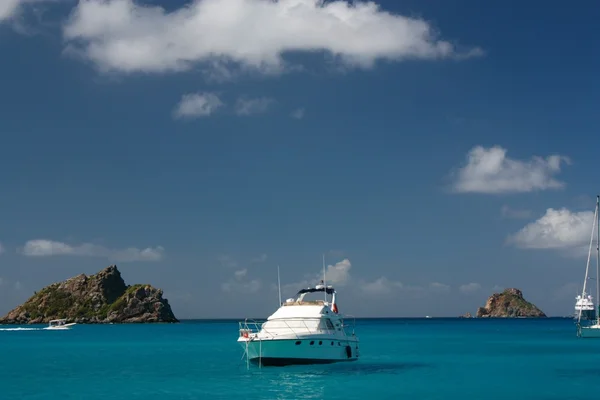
{"points": [[400, 358]]}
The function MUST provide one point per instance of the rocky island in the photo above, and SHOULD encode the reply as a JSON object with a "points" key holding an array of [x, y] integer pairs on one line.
{"points": [[509, 304], [100, 298]]}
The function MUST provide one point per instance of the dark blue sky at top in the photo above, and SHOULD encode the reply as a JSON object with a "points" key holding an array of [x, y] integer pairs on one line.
{"points": [[86, 157]]}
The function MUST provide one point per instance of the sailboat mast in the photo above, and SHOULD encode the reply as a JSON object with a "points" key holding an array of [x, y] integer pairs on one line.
{"points": [[598, 263], [587, 266]]}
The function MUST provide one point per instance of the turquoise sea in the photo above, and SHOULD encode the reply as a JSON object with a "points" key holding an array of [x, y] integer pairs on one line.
{"points": [[400, 358]]}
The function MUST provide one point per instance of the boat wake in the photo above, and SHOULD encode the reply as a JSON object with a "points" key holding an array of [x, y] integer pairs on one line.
{"points": [[20, 329]]}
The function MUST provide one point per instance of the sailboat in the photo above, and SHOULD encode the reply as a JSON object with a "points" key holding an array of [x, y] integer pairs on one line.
{"points": [[584, 301]]}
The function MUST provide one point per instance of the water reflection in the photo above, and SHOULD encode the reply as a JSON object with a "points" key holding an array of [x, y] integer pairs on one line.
{"points": [[312, 382], [378, 368]]}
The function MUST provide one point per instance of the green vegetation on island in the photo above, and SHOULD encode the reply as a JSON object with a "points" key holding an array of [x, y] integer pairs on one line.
{"points": [[100, 298]]}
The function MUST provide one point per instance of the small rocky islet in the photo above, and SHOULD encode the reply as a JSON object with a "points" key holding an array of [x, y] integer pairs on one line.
{"points": [[95, 299], [509, 304]]}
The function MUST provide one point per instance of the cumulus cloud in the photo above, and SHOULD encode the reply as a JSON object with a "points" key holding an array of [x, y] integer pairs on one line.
{"points": [[239, 283], [440, 287], [46, 248], [469, 288], [384, 285], [508, 212], [298, 113], [239, 275], [339, 273], [120, 35], [489, 170], [247, 106], [227, 261], [196, 105], [8, 8], [557, 229], [260, 259], [381, 285]]}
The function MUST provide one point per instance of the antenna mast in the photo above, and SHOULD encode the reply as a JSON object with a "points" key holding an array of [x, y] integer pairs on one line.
{"points": [[279, 285], [324, 279]]}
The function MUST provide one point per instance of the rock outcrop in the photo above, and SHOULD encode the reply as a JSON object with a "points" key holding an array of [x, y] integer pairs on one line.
{"points": [[466, 315], [509, 304], [100, 298]]}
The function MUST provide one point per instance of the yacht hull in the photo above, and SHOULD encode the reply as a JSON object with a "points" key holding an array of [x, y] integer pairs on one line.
{"points": [[281, 352], [589, 331]]}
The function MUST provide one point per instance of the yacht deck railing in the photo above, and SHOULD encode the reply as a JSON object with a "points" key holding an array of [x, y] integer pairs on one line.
{"points": [[295, 326]]}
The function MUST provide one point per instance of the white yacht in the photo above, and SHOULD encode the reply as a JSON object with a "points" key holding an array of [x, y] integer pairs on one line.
{"points": [[59, 324], [301, 332], [584, 306]]}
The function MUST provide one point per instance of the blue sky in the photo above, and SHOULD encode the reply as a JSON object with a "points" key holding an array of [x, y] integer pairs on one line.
{"points": [[435, 152]]}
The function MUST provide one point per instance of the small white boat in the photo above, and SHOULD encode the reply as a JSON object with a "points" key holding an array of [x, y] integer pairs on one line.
{"points": [[300, 332], [59, 324], [588, 316]]}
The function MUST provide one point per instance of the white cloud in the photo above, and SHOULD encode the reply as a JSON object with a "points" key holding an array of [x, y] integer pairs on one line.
{"points": [[239, 283], [336, 275], [381, 286], [440, 287], [195, 105], [245, 106], [119, 35], [339, 273], [241, 274], [469, 288], [384, 285], [8, 8], [260, 259], [45, 248], [508, 212], [489, 170], [227, 261], [557, 229], [298, 113]]}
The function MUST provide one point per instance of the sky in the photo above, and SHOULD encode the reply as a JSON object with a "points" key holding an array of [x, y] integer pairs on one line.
{"points": [[433, 152]]}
